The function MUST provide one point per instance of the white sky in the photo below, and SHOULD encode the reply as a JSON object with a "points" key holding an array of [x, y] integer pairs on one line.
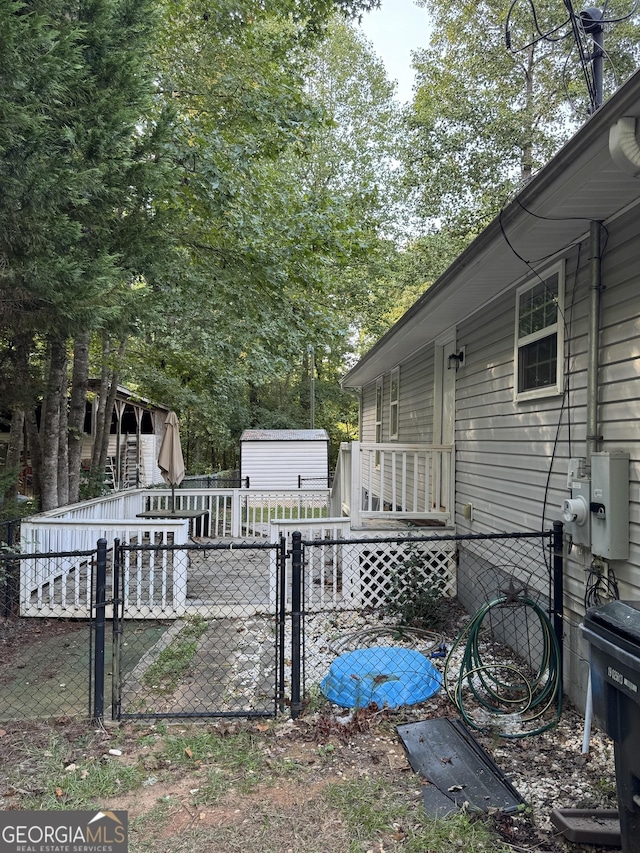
{"points": [[395, 30]]}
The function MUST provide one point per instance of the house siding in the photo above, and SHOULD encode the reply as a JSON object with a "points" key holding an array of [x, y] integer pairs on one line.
{"points": [[512, 456], [368, 414], [416, 399], [415, 405]]}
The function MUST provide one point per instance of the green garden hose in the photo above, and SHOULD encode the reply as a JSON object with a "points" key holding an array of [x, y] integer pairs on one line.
{"points": [[527, 694]]}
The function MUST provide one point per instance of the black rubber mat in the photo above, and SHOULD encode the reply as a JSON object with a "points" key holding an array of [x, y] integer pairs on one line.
{"points": [[455, 769]]}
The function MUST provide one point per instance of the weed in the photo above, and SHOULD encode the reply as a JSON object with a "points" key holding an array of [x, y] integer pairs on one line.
{"points": [[171, 664], [235, 761], [412, 595], [55, 784], [158, 815]]}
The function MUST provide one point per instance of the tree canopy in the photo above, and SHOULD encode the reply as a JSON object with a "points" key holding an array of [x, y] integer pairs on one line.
{"points": [[164, 224], [218, 202]]}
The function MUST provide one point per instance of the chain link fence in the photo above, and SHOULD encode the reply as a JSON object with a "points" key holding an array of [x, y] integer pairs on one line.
{"points": [[168, 628], [46, 661], [9, 574], [393, 624], [198, 630]]}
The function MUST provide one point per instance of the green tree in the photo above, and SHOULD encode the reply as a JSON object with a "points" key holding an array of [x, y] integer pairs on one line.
{"points": [[282, 212], [76, 166], [486, 118]]}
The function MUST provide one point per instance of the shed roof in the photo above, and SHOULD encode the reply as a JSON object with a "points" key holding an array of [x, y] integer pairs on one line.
{"points": [[580, 184], [284, 435]]}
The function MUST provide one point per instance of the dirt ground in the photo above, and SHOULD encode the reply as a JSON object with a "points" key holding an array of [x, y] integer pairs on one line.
{"points": [[549, 770]]}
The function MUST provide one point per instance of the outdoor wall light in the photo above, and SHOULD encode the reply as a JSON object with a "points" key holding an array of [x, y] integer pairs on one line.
{"points": [[455, 360]]}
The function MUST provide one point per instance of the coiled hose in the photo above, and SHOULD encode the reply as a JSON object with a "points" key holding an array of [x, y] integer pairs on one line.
{"points": [[504, 694]]}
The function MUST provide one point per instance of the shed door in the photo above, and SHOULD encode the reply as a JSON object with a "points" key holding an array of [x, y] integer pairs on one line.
{"points": [[444, 422]]}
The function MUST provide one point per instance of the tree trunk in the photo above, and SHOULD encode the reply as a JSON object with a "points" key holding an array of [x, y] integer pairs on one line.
{"points": [[23, 345], [35, 453], [50, 422], [103, 393], [63, 448], [14, 451], [77, 409], [108, 391]]}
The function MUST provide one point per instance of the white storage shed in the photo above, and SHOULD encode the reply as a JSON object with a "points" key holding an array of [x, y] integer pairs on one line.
{"points": [[285, 458]]}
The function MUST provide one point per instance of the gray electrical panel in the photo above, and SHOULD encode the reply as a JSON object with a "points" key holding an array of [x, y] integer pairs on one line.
{"points": [[609, 505]]}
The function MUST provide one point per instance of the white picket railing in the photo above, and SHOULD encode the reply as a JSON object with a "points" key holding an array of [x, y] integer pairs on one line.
{"points": [[62, 585], [155, 582], [324, 572], [382, 481], [372, 481]]}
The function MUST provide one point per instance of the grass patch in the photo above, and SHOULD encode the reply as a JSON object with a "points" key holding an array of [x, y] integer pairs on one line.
{"points": [[237, 761], [172, 663], [54, 783], [240, 795], [351, 817], [373, 810]]}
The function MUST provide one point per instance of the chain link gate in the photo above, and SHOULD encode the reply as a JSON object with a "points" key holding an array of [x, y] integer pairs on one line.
{"points": [[198, 629]]}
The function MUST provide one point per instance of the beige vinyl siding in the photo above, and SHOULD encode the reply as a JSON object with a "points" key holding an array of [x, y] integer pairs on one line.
{"points": [[619, 409], [415, 417], [415, 406], [509, 465], [368, 413], [416, 399], [506, 448]]}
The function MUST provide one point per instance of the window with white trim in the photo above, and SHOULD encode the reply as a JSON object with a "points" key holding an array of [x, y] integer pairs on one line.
{"points": [[379, 399], [539, 339], [394, 397]]}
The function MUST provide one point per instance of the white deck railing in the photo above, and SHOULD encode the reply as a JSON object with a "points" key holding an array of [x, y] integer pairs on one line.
{"points": [[409, 481], [61, 586], [325, 576]]}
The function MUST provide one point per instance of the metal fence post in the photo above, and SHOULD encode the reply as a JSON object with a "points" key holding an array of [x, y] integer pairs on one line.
{"points": [[10, 584], [282, 603], [116, 631], [296, 615], [98, 670], [558, 586]]}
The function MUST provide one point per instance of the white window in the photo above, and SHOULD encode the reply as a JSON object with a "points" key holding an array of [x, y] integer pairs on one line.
{"points": [[379, 398], [539, 336], [394, 396]]}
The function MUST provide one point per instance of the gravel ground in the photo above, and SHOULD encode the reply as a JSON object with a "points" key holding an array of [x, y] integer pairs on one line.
{"points": [[549, 769]]}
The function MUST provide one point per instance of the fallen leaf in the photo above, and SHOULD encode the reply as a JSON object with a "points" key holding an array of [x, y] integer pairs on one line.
{"points": [[59, 793], [263, 727]]}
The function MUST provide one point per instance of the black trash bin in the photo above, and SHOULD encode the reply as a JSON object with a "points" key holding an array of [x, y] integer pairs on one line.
{"points": [[613, 631]]}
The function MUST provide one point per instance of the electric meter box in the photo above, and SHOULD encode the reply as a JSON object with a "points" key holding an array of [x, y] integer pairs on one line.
{"points": [[575, 510], [610, 505]]}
